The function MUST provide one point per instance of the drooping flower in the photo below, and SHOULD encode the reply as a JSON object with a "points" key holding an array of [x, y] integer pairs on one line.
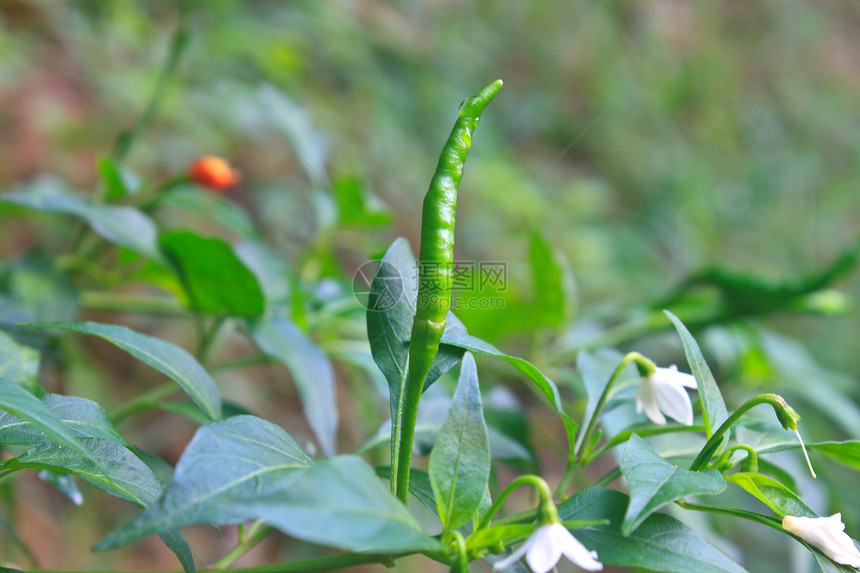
{"points": [[663, 393], [826, 534], [546, 545], [213, 172]]}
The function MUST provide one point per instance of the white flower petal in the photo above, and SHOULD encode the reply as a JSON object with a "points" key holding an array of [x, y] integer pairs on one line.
{"points": [[513, 557], [672, 376], [674, 401], [574, 550], [647, 400], [544, 552], [826, 534]]}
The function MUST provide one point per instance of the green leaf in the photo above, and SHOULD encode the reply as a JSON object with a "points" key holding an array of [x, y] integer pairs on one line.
{"points": [[23, 405], [847, 453], [713, 405], [546, 386], [214, 278], [244, 469], [19, 362], [84, 418], [554, 290], [212, 206], [124, 226], [118, 471], [269, 268], [64, 483], [357, 206], [390, 313], [772, 493], [654, 482], [660, 543], [167, 358], [278, 337], [419, 487], [460, 460], [118, 181]]}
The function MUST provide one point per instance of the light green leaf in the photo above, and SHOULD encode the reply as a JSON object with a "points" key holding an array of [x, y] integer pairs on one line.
{"points": [[772, 493], [19, 363], [167, 358], [713, 405], [278, 337], [654, 482], [554, 290], [847, 453], [117, 180], [23, 405], [660, 543], [125, 226], [214, 278], [546, 386], [460, 461], [84, 418], [244, 469]]}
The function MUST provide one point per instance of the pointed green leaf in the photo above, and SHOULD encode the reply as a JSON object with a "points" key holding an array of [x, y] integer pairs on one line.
{"points": [[278, 337], [772, 493], [654, 482], [213, 277], [546, 386], [244, 469], [167, 358], [212, 206], [83, 417], [660, 543], [460, 460], [23, 405], [713, 404], [554, 290]]}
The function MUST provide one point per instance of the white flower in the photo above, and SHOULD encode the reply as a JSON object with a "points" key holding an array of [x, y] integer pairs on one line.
{"points": [[826, 534], [545, 547], [663, 392]]}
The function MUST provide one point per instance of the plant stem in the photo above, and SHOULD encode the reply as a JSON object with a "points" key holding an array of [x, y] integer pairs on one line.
{"points": [[422, 350], [253, 536], [534, 481], [713, 443], [108, 301], [146, 401], [748, 515]]}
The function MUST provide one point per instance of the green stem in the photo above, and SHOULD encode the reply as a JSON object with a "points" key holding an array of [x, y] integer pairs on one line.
{"points": [[608, 478], [208, 337], [748, 515], [422, 350], [537, 483], [241, 363], [144, 402], [252, 537], [461, 561], [113, 302], [177, 45], [646, 368], [713, 443]]}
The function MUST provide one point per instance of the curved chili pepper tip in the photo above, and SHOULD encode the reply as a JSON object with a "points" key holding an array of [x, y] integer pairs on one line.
{"points": [[473, 106]]}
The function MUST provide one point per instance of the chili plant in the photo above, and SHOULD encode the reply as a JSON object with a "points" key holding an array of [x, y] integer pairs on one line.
{"points": [[453, 508]]}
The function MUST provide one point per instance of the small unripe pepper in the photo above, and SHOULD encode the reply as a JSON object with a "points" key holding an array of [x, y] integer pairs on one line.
{"points": [[213, 172]]}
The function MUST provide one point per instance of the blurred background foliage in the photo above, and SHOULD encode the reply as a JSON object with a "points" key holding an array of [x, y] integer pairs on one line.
{"points": [[634, 144]]}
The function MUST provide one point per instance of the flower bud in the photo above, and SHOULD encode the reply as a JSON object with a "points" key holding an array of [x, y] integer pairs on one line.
{"points": [[213, 172]]}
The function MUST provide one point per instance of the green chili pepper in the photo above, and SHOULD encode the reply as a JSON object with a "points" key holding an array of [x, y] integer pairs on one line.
{"points": [[435, 272]]}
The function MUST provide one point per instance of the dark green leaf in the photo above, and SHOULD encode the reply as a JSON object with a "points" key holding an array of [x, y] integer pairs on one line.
{"points": [[660, 543], [117, 180], [167, 358], [460, 461], [713, 405], [278, 337], [213, 277], [654, 482], [244, 469]]}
